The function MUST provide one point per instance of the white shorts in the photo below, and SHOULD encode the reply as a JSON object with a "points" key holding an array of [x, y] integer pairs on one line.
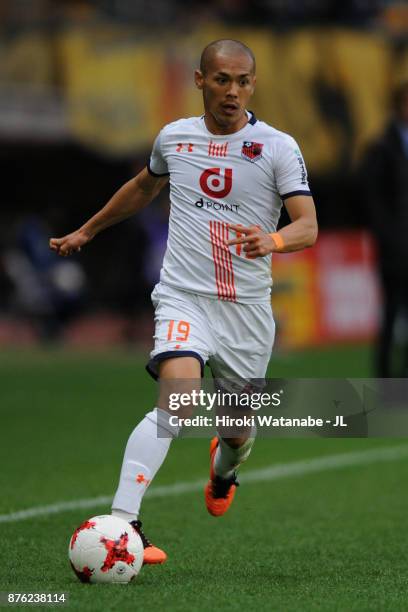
{"points": [[234, 339]]}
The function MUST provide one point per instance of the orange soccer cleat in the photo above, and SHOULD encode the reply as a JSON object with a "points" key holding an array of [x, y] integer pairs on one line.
{"points": [[152, 554], [219, 492]]}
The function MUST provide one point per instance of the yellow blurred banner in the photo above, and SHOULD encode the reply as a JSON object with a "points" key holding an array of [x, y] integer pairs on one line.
{"points": [[114, 89], [26, 60], [312, 83]]}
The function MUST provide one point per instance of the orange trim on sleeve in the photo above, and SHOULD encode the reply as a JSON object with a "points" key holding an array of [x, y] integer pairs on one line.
{"points": [[278, 240]]}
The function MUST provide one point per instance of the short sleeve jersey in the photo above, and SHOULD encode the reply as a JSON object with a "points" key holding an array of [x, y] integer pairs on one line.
{"points": [[219, 180]]}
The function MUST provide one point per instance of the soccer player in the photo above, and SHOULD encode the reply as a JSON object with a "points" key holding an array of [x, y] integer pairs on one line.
{"points": [[229, 174]]}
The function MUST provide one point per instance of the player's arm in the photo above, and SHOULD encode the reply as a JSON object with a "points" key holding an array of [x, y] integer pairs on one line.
{"points": [[297, 235], [129, 199]]}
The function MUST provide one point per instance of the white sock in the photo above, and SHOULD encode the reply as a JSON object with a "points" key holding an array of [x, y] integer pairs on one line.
{"points": [[126, 516], [227, 459], [145, 452]]}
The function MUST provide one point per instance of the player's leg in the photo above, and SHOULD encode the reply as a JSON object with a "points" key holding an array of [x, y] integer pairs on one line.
{"points": [[231, 453], [147, 449], [243, 353], [149, 442], [179, 355]]}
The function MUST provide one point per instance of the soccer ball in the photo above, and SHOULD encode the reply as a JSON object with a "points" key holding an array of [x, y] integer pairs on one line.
{"points": [[106, 549]]}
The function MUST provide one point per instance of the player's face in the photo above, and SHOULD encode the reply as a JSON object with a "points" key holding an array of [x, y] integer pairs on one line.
{"points": [[227, 86]]}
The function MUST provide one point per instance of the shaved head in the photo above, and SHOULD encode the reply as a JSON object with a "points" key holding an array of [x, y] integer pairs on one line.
{"points": [[224, 46], [227, 79]]}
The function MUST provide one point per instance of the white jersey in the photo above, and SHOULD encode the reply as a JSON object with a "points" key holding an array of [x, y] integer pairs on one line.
{"points": [[215, 181]]}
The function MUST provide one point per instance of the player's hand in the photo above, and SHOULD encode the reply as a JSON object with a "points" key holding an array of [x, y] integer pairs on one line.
{"points": [[257, 242], [71, 243]]}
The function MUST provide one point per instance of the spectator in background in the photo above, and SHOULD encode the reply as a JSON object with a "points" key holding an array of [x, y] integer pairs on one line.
{"points": [[40, 289], [384, 179]]}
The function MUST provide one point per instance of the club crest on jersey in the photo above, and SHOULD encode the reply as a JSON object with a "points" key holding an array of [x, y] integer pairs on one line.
{"points": [[252, 151]]}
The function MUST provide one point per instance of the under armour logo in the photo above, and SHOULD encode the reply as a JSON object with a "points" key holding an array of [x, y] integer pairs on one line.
{"points": [[183, 147]]}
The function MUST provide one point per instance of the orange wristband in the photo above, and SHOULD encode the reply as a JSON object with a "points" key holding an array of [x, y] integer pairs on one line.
{"points": [[278, 240]]}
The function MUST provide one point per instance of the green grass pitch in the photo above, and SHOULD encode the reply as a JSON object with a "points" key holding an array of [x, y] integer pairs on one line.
{"points": [[331, 540]]}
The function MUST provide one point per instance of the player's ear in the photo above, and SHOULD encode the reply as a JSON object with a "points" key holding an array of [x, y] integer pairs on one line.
{"points": [[198, 78], [253, 84]]}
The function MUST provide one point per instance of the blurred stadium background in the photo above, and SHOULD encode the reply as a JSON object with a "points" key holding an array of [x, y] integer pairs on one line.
{"points": [[85, 87]]}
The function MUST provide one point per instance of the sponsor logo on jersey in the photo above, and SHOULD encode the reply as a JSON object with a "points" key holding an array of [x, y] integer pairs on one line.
{"points": [[183, 147], [252, 151], [216, 182], [207, 204], [303, 173], [217, 150]]}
